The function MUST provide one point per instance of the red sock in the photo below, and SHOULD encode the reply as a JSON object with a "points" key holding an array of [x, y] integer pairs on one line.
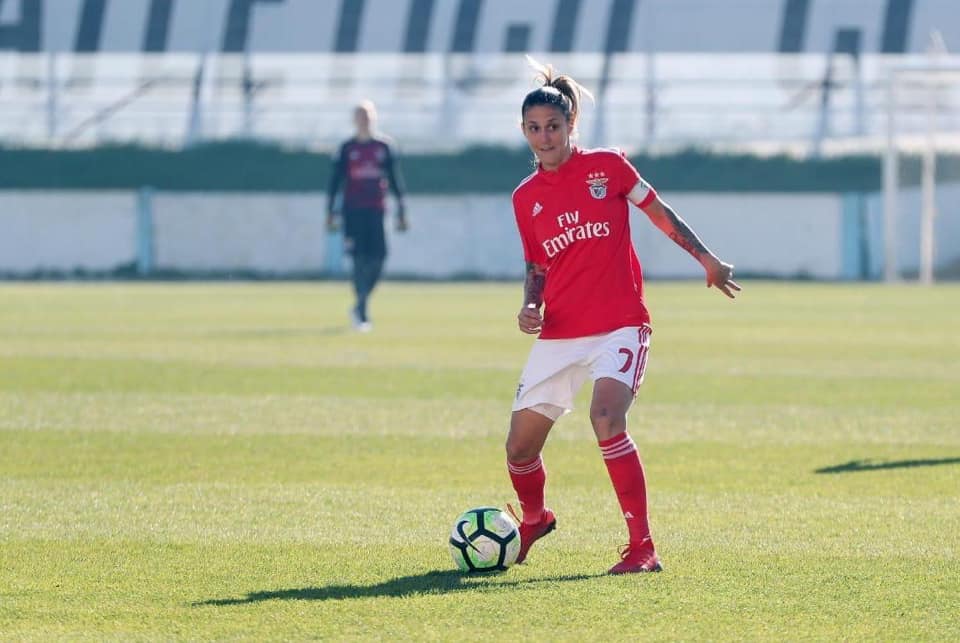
{"points": [[529, 479], [626, 473]]}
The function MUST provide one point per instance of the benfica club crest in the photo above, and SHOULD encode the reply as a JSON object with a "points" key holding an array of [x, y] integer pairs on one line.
{"points": [[597, 182]]}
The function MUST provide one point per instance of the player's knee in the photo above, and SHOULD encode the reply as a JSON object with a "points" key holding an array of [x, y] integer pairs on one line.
{"points": [[607, 425], [519, 451]]}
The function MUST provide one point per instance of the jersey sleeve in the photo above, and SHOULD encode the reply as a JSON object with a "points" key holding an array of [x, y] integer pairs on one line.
{"points": [[632, 185], [532, 251], [337, 173], [394, 176]]}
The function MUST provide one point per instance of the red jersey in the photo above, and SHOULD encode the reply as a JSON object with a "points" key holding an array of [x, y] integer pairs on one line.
{"points": [[575, 222]]}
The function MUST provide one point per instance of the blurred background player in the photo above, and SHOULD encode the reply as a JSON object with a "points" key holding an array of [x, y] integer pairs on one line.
{"points": [[366, 167], [573, 217]]}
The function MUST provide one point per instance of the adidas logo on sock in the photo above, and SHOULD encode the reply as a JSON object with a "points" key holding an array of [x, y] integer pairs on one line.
{"points": [[627, 515]]}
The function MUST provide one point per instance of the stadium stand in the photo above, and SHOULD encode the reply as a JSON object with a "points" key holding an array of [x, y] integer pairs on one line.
{"points": [[472, 26], [448, 73]]}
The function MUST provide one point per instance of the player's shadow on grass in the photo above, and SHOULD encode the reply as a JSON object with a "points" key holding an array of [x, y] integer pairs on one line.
{"points": [[877, 465], [435, 582]]}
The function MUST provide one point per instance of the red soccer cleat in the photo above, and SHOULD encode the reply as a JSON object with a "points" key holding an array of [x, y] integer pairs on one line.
{"points": [[636, 559], [531, 533]]}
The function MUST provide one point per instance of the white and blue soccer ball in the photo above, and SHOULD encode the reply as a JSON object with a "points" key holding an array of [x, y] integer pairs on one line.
{"points": [[484, 539]]}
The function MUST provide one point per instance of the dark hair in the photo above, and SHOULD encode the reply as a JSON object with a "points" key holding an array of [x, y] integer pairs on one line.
{"points": [[561, 91]]}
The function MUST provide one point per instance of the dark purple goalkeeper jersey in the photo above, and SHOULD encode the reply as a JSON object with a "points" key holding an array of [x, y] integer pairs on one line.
{"points": [[366, 169]]}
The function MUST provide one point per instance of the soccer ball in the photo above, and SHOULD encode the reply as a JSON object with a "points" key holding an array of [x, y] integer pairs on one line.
{"points": [[484, 539]]}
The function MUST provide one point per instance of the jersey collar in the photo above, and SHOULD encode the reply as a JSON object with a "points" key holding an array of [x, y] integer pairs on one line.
{"points": [[563, 171]]}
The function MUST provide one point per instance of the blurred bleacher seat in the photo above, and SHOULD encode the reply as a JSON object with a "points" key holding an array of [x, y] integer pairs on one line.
{"points": [[763, 74], [437, 102]]}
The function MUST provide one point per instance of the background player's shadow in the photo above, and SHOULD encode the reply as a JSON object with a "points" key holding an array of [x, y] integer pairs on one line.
{"points": [[435, 582], [876, 465]]}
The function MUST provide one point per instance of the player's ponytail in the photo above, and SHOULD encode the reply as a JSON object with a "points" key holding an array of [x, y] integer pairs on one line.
{"points": [[561, 91]]}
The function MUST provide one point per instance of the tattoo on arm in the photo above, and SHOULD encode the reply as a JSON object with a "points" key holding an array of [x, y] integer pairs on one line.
{"points": [[683, 235], [533, 285]]}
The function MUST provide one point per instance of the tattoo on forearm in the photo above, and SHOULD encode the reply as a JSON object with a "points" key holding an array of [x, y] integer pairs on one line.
{"points": [[533, 285], [683, 236]]}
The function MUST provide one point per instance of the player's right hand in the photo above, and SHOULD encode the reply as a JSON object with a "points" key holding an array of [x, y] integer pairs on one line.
{"points": [[529, 319], [332, 222]]}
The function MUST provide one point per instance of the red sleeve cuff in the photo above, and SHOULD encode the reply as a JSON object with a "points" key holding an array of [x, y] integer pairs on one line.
{"points": [[647, 200]]}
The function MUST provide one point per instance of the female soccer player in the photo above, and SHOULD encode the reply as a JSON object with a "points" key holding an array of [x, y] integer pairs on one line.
{"points": [[366, 165], [573, 217]]}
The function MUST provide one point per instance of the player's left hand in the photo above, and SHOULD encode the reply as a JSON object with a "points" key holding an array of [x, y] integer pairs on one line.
{"points": [[402, 225], [720, 274], [332, 223]]}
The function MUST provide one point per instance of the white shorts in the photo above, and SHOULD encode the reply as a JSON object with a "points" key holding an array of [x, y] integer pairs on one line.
{"points": [[557, 368]]}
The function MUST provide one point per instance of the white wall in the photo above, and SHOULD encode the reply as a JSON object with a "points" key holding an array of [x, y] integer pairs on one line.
{"points": [[946, 228], [451, 236], [254, 232], [776, 234], [64, 231]]}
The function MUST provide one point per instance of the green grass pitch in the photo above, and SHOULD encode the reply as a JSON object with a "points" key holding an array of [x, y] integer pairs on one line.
{"points": [[229, 461]]}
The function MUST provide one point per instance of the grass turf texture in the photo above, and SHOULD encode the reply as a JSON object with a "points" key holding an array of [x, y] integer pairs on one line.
{"points": [[202, 461]]}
